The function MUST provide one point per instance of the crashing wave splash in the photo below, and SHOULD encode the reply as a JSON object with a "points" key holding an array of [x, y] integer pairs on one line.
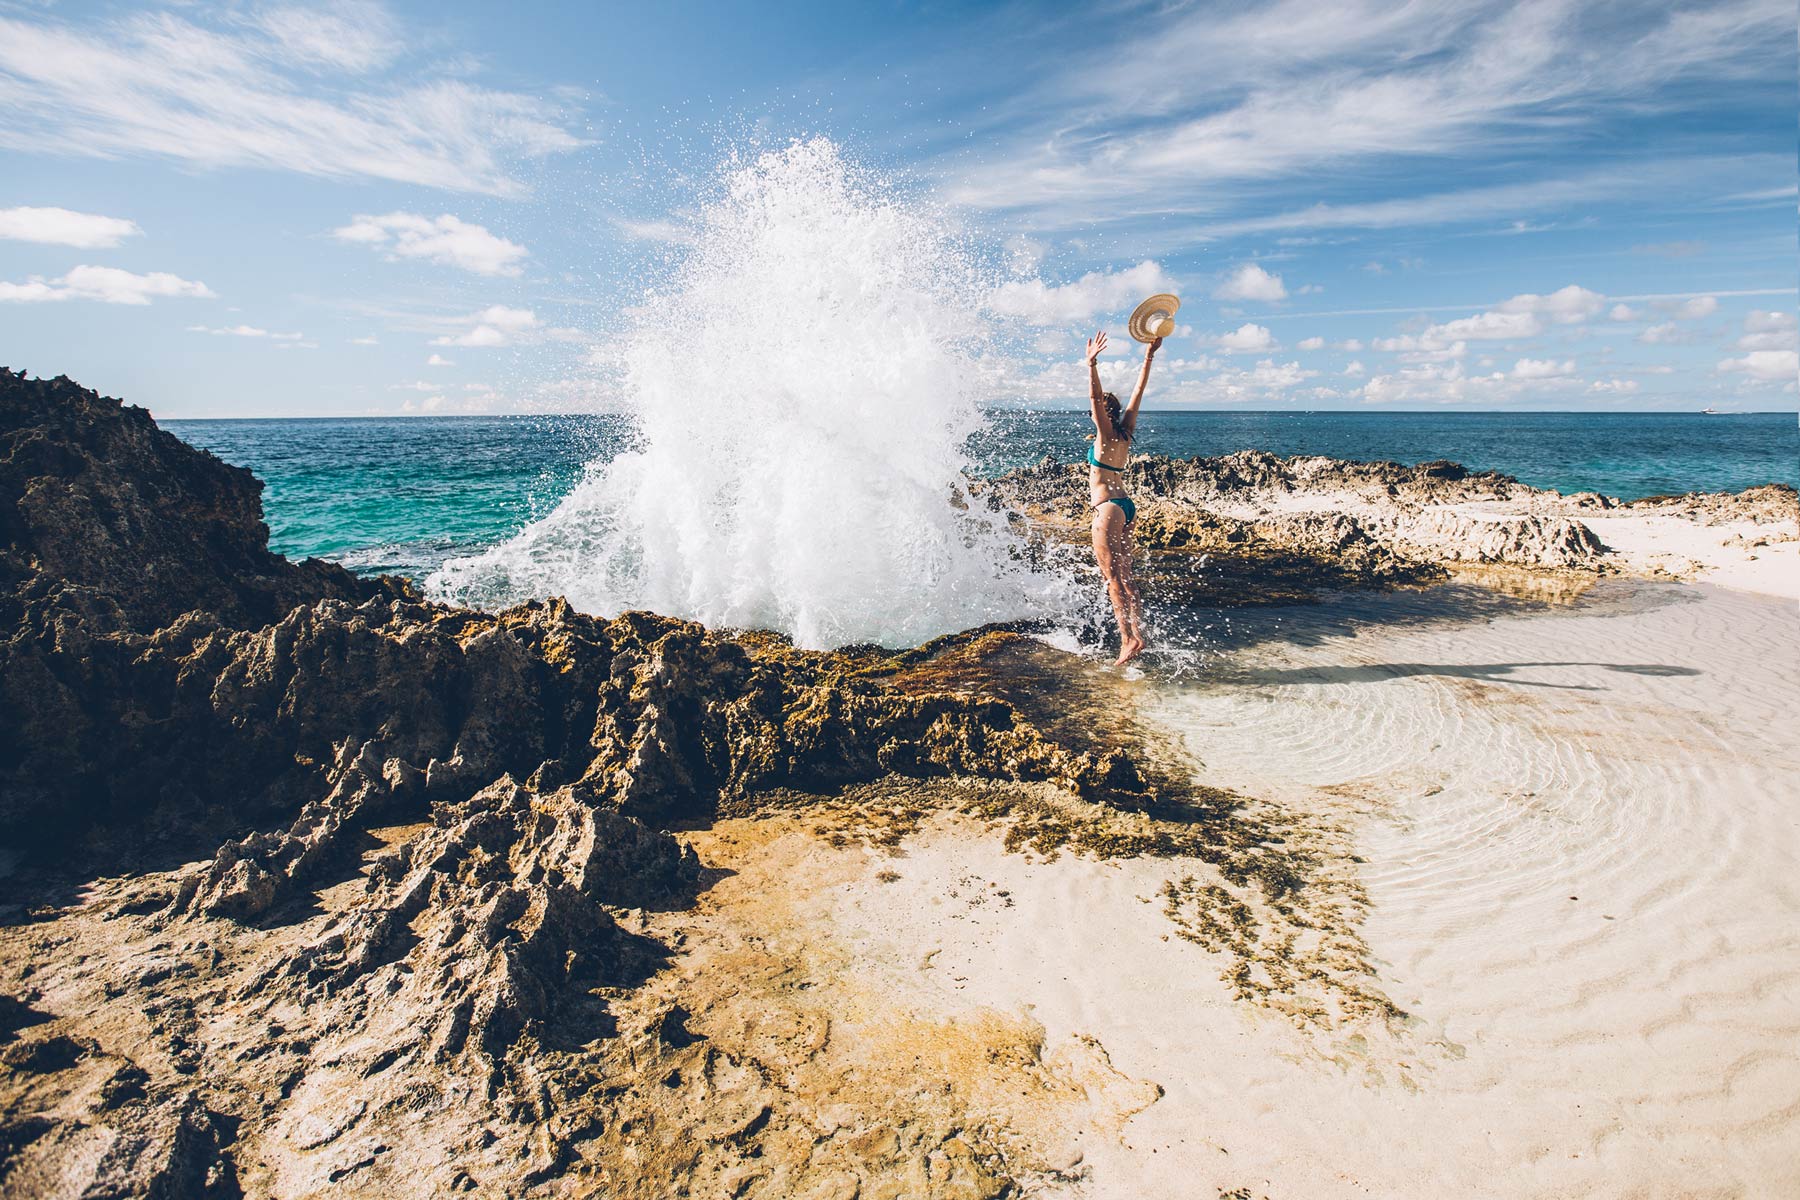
{"points": [[803, 389]]}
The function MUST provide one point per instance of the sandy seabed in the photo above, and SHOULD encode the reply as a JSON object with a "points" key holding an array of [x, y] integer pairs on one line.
{"points": [[1576, 826]]}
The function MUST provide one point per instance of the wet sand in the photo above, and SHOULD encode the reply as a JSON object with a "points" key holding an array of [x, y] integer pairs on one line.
{"points": [[1576, 826]]}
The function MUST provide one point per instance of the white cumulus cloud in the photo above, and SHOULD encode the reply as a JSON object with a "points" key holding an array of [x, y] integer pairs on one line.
{"points": [[1267, 381], [1766, 365], [1565, 306], [1313, 343], [109, 285], [1248, 338], [1542, 368], [1487, 326], [1038, 303], [480, 337], [1251, 282], [1437, 383], [443, 239], [1268, 375], [494, 326], [65, 227], [1770, 322], [1768, 331], [1523, 316]]}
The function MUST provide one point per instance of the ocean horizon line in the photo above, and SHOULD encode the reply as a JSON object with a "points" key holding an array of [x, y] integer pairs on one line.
{"points": [[1342, 412]]}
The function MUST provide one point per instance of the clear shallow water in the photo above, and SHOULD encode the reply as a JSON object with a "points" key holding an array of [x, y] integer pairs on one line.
{"points": [[404, 494], [401, 495]]}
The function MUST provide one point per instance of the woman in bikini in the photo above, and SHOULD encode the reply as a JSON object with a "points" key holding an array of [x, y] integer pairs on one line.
{"points": [[1114, 511]]}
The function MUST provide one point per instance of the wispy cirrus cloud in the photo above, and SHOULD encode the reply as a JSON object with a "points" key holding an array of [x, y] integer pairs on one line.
{"points": [[1219, 105], [63, 227], [247, 93], [1491, 201], [246, 331], [352, 36]]}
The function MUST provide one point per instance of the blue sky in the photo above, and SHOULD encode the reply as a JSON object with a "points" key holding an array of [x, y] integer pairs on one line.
{"points": [[271, 210]]}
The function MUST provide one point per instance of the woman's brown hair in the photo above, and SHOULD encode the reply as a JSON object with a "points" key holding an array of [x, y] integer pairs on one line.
{"points": [[1112, 414]]}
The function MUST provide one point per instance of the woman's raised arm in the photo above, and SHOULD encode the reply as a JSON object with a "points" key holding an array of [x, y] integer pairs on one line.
{"points": [[1129, 416], [1095, 345]]}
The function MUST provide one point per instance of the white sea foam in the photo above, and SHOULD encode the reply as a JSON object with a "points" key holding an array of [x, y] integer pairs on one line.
{"points": [[803, 387]]}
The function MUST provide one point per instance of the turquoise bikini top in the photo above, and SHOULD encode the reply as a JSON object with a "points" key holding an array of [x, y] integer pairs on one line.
{"points": [[1095, 460]]}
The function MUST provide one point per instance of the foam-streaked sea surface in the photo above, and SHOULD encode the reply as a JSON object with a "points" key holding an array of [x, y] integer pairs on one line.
{"points": [[404, 494]]}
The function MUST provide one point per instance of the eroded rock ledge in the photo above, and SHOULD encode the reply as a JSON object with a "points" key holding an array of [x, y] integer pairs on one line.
{"points": [[1278, 529], [417, 829]]}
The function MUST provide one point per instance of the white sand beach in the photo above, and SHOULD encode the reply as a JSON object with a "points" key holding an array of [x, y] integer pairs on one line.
{"points": [[1745, 555], [1576, 827]]}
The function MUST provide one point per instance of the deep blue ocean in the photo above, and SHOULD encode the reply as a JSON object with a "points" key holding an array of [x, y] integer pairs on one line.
{"points": [[402, 494]]}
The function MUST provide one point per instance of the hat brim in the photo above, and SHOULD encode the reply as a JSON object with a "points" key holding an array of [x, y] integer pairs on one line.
{"points": [[1154, 318]]}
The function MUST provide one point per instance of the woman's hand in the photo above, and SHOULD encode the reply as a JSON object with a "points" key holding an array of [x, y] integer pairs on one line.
{"points": [[1152, 348], [1095, 345]]}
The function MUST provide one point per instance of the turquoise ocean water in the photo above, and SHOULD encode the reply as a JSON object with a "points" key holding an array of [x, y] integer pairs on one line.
{"points": [[402, 494]]}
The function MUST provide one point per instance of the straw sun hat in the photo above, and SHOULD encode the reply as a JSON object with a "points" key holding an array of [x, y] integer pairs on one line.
{"points": [[1154, 318]]}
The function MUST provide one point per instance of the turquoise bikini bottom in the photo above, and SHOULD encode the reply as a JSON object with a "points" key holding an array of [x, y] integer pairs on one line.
{"points": [[1125, 503]]}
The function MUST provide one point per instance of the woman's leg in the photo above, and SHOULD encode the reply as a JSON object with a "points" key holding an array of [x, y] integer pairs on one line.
{"points": [[1112, 552], [1127, 580]]}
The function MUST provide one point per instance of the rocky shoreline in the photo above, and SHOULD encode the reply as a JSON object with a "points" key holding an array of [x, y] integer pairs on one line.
{"points": [[312, 885], [1280, 530]]}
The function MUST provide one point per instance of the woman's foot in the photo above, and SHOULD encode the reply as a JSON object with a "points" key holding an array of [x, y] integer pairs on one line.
{"points": [[1129, 649]]}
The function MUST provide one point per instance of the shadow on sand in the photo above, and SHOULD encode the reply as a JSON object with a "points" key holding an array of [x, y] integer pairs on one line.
{"points": [[1487, 672]]}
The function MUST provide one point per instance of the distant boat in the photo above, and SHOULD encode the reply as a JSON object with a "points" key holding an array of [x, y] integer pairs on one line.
{"points": [[1709, 411]]}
